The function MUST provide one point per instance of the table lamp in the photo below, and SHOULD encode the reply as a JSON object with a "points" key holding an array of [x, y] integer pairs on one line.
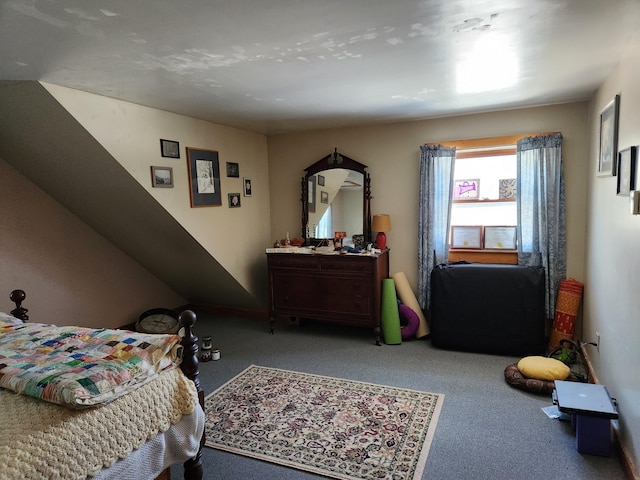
{"points": [[381, 223]]}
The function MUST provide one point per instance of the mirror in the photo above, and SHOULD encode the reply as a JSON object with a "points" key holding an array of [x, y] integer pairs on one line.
{"points": [[336, 194]]}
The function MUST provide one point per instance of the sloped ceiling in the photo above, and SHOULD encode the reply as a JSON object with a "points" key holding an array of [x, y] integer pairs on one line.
{"points": [[72, 167]]}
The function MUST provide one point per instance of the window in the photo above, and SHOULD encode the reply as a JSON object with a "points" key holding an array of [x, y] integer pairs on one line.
{"points": [[484, 190]]}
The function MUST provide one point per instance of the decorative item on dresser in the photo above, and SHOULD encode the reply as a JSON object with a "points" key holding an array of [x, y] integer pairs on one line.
{"points": [[381, 224], [344, 289], [124, 376]]}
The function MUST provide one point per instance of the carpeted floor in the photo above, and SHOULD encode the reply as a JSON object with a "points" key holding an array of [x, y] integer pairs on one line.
{"points": [[486, 430], [339, 428]]}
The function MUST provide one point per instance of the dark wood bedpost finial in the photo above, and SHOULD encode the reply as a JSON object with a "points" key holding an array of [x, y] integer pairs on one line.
{"points": [[189, 365], [17, 297]]}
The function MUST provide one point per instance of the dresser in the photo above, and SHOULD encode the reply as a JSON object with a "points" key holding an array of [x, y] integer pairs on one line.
{"points": [[343, 289]]}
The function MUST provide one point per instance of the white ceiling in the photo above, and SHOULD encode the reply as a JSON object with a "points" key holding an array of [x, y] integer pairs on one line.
{"points": [[282, 65]]}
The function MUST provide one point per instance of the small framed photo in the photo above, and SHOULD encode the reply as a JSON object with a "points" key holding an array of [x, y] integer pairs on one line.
{"points": [[321, 180], [627, 171], [234, 200], [233, 170], [169, 148], [466, 189], [607, 159], [247, 186], [500, 238], [324, 197], [162, 177], [466, 237]]}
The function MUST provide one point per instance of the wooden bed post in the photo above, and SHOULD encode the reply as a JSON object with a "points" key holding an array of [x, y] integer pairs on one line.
{"points": [[189, 366], [17, 297]]}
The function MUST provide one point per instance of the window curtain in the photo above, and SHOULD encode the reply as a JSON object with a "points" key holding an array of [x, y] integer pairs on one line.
{"points": [[541, 210], [434, 217]]}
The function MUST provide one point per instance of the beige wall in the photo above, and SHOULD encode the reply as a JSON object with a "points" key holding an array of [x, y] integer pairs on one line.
{"points": [[72, 275], [131, 133], [611, 300], [392, 155]]}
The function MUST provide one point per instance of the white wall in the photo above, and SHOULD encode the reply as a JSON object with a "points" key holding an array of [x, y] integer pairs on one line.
{"points": [[611, 300]]}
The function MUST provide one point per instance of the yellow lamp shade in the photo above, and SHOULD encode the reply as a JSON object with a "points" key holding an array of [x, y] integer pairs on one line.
{"points": [[381, 223]]}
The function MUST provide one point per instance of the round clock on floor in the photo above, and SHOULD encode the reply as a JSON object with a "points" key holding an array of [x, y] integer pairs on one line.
{"points": [[158, 320]]}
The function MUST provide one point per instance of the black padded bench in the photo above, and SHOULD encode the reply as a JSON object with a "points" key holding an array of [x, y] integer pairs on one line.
{"points": [[488, 308]]}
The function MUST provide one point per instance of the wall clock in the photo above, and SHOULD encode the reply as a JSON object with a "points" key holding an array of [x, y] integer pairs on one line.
{"points": [[158, 320]]}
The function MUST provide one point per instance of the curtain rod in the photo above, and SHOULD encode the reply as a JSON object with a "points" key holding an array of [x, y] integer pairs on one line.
{"points": [[488, 141]]}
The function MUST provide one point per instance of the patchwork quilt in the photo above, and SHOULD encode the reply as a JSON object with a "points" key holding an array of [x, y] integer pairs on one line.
{"points": [[80, 367]]}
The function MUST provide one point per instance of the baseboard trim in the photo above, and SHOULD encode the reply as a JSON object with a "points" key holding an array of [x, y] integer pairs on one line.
{"points": [[226, 310], [626, 458]]}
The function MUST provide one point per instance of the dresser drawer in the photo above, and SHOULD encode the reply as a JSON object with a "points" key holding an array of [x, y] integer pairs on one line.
{"points": [[342, 289]]}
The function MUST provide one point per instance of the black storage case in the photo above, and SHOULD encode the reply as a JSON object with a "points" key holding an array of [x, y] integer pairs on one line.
{"points": [[488, 308]]}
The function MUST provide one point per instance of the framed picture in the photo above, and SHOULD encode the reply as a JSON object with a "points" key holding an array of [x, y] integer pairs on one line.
{"points": [[627, 171], [608, 156], [234, 200], [162, 177], [466, 237], [500, 238], [324, 197], [247, 186], [204, 177], [466, 189], [311, 192], [233, 170], [169, 148], [321, 180]]}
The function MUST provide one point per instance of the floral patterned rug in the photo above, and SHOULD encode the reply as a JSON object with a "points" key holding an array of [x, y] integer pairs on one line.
{"points": [[337, 428]]}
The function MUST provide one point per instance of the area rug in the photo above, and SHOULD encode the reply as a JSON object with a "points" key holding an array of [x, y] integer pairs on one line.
{"points": [[337, 428]]}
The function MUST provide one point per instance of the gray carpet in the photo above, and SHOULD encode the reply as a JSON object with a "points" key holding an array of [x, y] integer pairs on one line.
{"points": [[487, 430]]}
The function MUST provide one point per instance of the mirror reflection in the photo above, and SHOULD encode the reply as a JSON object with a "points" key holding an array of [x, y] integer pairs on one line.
{"points": [[336, 201], [339, 203]]}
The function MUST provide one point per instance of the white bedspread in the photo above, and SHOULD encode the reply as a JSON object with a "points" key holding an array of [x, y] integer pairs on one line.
{"points": [[176, 445], [40, 440]]}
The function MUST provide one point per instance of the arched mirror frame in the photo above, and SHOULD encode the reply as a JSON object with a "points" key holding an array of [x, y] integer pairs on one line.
{"points": [[331, 161]]}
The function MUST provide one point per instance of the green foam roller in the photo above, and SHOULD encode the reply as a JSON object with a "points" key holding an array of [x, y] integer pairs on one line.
{"points": [[390, 320]]}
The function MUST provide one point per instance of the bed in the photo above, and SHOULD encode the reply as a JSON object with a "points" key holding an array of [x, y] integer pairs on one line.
{"points": [[124, 405]]}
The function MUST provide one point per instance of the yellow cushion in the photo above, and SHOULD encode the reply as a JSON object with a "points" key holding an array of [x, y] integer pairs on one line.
{"points": [[543, 368]]}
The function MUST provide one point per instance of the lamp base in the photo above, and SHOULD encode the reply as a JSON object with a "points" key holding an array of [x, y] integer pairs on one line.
{"points": [[381, 241]]}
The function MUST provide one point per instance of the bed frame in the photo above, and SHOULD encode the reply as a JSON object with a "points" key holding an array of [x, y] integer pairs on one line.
{"points": [[189, 366]]}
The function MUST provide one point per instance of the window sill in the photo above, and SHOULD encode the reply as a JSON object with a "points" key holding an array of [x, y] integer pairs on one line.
{"points": [[507, 257]]}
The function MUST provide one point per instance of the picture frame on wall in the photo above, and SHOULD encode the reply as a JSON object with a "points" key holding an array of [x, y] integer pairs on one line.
{"points": [[324, 197], [233, 170], [248, 187], [204, 177], [608, 152], [234, 200], [466, 237], [626, 171], [162, 177], [169, 148]]}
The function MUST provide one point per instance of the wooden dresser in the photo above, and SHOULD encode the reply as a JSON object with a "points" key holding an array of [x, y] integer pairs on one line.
{"points": [[344, 289]]}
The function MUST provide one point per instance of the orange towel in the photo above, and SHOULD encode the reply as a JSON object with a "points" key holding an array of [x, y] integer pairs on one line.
{"points": [[567, 305]]}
